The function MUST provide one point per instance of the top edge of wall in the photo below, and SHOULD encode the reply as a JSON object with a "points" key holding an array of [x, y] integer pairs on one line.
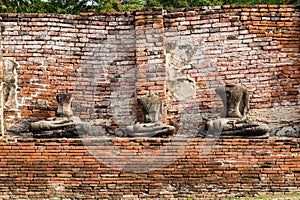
{"points": [[130, 13]]}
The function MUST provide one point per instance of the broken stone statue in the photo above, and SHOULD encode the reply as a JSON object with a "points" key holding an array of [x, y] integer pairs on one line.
{"points": [[9, 83], [62, 125], [151, 106], [233, 121]]}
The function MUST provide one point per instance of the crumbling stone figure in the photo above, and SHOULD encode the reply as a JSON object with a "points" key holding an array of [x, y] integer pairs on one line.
{"points": [[62, 125], [233, 121], [235, 100], [64, 105], [151, 108], [152, 126], [9, 84]]}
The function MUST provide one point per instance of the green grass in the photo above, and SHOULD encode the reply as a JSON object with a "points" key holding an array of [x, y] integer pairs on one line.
{"points": [[277, 197]]}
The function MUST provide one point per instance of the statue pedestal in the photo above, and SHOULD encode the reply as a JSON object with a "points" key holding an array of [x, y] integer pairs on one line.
{"points": [[147, 130], [55, 127], [235, 127]]}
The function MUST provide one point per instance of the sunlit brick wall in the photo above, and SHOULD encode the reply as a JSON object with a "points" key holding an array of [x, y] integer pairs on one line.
{"points": [[145, 169], [108, 60]]}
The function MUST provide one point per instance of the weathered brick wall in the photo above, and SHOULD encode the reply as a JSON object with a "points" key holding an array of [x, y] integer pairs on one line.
{"points": [[254, 46], [148, 168], [108, 60], [150, 57], [85, 56]]}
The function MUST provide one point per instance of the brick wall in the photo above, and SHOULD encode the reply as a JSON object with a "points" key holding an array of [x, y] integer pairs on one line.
{"points": [[147, 168], [108, 60], [254, 46], [79, 55]]}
